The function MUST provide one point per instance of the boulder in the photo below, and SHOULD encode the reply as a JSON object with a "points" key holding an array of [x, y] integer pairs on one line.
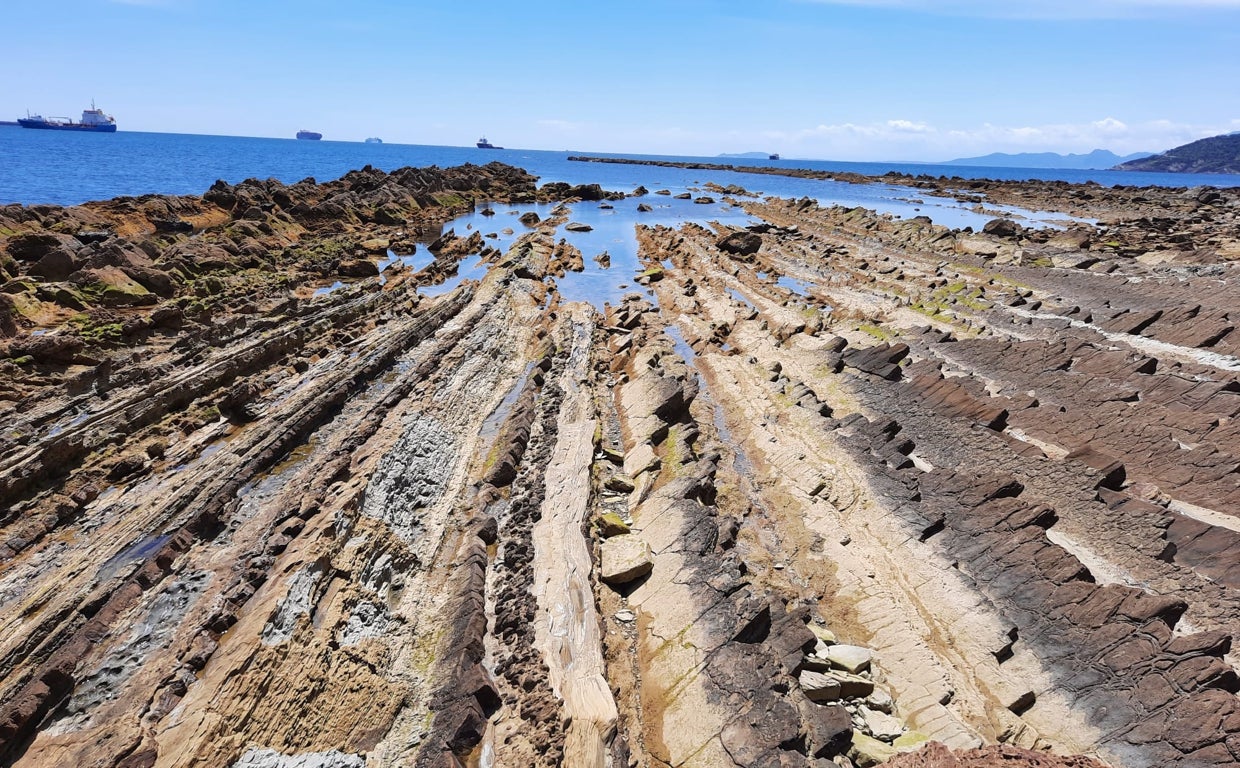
{"points": [[853, 686], [529, 219], [357, 268], [822, 633], [111, 287], [978, 245], [53, 348], [882, 360], [587, 192], [1072, 239], [576, 226], [1002, 228], [1072, 261], [866, 751], [819, 687], [610, 524], [740, 243], [55, 265], [619, 483], [881, 725], [881, 701], [828, 726], [623, 559], [850, 658], [36, 245]]}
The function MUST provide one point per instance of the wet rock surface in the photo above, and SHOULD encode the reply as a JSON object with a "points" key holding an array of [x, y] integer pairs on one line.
{"points": [[830, 488]]}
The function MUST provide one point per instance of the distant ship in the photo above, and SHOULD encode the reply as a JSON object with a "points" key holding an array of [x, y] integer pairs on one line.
{"points": [[484, 144], [93, 121], [374, 140], [774, 157], [309, 135]]}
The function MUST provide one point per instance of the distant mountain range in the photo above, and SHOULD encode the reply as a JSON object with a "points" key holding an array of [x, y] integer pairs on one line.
{"points": [[1217, 154], [748, 155], [1099, 159]]}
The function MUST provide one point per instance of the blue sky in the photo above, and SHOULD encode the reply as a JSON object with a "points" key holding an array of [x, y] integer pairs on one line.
{"points": [[834, 79]]}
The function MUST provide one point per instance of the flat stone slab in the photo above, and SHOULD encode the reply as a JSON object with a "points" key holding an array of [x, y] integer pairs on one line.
{"points": [[882, 726], [819, 687], [822, 633], [850, 658], [867, 751], [624, 559], [610, 524], [853, 686]]}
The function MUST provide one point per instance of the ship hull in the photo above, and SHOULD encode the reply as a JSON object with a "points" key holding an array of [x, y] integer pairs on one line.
{"points": [[309, 136], [43, 125]]}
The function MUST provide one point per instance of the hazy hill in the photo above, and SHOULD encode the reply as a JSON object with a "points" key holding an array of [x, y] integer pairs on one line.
{"points": [[1217, 154], [750, 155], [1096, 160]]}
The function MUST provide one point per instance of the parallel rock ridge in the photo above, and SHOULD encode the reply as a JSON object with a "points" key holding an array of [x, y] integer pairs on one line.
{"points": [[832, 488]]}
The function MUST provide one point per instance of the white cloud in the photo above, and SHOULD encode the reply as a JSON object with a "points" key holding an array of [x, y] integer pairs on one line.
{"points": [[1045, 9], [908, 126], [898, 139]]}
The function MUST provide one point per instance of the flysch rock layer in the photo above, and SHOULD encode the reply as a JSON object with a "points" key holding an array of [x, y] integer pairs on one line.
{"points": [[833, 489]]}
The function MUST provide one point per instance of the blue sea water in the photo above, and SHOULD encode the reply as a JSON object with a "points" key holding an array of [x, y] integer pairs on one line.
{"points": [[69, 168]]}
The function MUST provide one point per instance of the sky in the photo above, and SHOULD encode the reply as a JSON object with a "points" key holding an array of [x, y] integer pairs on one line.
{"points": [[921, 80]]}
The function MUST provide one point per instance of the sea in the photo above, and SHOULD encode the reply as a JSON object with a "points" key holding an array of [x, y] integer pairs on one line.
{"points": [[63, 168], [68, 168]]}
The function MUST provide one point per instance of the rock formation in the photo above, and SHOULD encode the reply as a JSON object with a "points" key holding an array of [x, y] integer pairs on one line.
{"points": [[275, 493]]}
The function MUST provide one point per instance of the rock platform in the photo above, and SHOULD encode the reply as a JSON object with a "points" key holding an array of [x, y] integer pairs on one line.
{"points": [[834, 488]]}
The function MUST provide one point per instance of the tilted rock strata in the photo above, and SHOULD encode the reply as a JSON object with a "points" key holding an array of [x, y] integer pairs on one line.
{"points": [[875, 483]]}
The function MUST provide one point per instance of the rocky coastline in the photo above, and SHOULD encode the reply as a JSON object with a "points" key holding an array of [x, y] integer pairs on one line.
{"points": [[280, 487]]}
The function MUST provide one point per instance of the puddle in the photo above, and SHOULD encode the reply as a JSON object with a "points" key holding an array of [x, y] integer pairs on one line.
{"points": [[614, 231], [740, 460], [414, 262], [76, 420], [799, 287], [139, 550], [471, 268], [504, 218], [490, 427], [329, 288], [738, 296], [682, 347], [295, 457]]}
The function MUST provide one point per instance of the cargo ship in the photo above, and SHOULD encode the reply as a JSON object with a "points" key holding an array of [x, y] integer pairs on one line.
{"points": [[93, 121], [484, 144], [309, 135]]}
